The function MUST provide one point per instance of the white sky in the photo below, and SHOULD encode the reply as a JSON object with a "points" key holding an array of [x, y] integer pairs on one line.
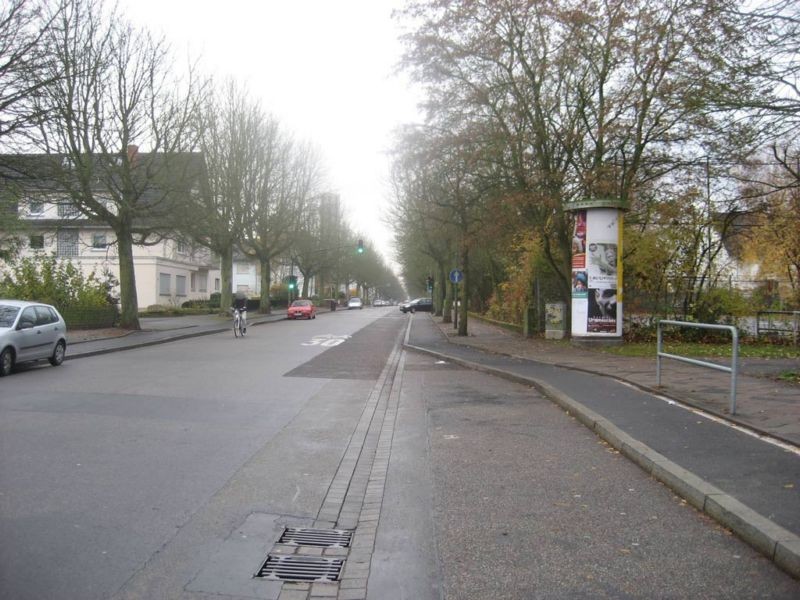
{"points": [[324, 68]]}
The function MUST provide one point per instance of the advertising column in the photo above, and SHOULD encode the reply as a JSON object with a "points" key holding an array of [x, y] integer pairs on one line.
{"points": [[597, 269]]}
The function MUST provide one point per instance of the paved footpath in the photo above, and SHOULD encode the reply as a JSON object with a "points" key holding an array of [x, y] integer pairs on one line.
{"points": [[745, 474]]}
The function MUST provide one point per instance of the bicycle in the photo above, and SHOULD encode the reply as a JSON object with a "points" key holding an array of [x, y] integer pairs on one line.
{"points": [[239, 322]]}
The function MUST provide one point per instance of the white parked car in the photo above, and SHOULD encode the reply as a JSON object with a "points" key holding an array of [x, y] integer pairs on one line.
{"points": [[354, 303], [30, 331]]}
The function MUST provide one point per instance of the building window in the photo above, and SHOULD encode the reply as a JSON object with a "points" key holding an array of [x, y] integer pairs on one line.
{"points": [[36, 242], [242, 268], [67, 243], [67, 210], [216, 284], [99, 241], [193, 282], [164, 284], [35, 207], [180, 285], [203, 282]]}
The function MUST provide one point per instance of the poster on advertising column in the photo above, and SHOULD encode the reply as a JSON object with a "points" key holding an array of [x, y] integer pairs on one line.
{"points": [[580, 279], [596, 271], [602, 268]]}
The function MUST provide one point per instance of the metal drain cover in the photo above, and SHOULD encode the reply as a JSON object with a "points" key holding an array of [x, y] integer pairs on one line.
{"points": [[326, 538], [301, 568]]}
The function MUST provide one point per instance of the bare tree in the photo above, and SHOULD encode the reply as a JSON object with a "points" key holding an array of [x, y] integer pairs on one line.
{"points": [[285, 177], [323, 241], [456, 188], [22, 60], [231, 126], [107, 90], [425, 236]]}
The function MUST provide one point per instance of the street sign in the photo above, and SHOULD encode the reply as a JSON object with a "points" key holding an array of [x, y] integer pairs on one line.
{"points": [[456, 276]]}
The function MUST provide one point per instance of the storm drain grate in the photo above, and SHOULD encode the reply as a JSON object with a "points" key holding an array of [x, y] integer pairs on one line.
{"points": [[301, 568], [327, 538]]}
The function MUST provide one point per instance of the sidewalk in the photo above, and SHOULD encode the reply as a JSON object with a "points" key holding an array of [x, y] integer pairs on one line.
{"points": [[737, 477], [158, 330], [763, 404]]}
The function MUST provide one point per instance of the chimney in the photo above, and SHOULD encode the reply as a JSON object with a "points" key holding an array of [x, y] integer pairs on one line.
{"points": [[133, 151]]}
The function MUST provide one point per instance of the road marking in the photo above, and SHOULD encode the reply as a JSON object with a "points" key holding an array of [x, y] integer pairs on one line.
{"points": [[326, 340]]}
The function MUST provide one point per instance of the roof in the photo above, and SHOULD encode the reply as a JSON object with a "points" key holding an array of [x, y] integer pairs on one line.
{"points": [[150, 176]]}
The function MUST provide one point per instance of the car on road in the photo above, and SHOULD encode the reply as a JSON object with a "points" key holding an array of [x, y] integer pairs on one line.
{"points": [[30, 331], [354, 303], [302, 309], [418, 304]]}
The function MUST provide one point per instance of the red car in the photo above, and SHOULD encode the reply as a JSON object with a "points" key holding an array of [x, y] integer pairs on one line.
{"points": [[302, 308]]}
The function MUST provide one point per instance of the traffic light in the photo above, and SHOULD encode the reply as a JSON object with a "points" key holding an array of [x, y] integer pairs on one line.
{"points": [[292, 282], [360, 248], [430, 283]]}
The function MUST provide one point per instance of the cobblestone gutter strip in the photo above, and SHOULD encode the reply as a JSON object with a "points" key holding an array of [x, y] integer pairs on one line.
{"points": [[776, 543], [355, 495]]}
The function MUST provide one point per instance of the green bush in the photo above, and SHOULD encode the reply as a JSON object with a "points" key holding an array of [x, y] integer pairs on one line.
{"points": [[719, 306], [85, 301], [55, 282], [197, 304], [214, 300]]}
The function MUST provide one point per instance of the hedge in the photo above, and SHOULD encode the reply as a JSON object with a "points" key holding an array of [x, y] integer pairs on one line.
{"points": [[90, 318]]}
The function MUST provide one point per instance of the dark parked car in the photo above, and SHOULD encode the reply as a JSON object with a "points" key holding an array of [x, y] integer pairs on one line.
{"points": [[418, 304], [30, 331]]}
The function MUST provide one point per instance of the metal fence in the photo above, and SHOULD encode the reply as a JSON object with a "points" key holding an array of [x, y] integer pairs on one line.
{"points": [[784, 323], [701, 363]]}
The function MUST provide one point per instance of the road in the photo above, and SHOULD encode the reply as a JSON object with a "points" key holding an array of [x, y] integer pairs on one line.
{"points": [[164, 472]]}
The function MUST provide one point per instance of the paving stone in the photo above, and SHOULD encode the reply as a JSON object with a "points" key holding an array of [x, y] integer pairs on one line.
{"points": [[353, 594], [353, 582], [293, 595], [324, 590]]}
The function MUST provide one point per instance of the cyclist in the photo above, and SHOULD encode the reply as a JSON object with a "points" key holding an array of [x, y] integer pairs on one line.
{"points": [[240, 304]]}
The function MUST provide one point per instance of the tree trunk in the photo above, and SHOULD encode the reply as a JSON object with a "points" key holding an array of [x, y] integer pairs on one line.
{"points": [[462, 324], [447, 304], [265, 304], [226, 272], [441, 292], [129, 302]]}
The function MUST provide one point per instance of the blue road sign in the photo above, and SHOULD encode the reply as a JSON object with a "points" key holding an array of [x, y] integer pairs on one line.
{"points": [[456, 276]]}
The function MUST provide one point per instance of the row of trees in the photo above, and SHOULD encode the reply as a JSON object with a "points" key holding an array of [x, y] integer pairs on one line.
{"points": [[80, 84], [685, 111]]}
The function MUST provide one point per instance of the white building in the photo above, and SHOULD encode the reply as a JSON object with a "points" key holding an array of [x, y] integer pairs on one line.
{"points": [[168, 272]]}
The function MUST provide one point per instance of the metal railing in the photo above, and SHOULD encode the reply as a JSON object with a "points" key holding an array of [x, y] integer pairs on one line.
{"points": [[779, 321], [701, 363]]}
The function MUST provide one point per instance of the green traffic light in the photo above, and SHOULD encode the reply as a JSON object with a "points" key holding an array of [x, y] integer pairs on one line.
{"points": [[360, 248]]}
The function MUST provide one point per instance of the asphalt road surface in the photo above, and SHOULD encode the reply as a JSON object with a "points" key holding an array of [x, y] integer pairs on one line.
{"points": [[161, 473], [108, 462]]}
